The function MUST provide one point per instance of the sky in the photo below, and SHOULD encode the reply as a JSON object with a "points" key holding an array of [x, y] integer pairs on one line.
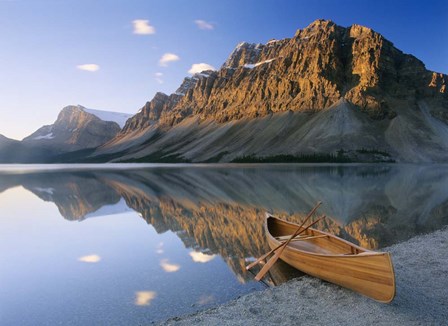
{"points": [[116, 54]]}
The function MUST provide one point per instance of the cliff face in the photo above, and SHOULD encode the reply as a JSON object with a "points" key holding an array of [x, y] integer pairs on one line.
{"points": [[322, 67], [312, 71], [151, 112]]}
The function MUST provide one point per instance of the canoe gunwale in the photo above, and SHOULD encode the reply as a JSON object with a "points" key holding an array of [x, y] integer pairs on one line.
{"points": [[364, 252], [383, 258]]}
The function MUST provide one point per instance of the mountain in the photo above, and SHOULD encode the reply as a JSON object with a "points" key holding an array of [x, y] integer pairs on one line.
{"points": [[5, 141], [14, 151], [328, 92], [76, 128]]}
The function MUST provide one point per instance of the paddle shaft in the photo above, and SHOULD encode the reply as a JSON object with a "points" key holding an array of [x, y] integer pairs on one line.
{"points": [[283, 245], [270, 252], [307, 238]]}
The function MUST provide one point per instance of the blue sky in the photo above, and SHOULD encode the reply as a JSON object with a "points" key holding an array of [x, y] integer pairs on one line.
{"points": [[45, 45]]}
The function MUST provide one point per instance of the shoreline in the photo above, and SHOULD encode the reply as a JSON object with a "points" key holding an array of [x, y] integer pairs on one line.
{"points": [[421, 272]]}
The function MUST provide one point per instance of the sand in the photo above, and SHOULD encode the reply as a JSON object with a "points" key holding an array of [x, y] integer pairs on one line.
{"points": [[421, 268]]}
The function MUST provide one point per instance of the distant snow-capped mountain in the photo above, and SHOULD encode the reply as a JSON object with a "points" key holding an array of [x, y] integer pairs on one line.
{"points": [[76, 128]]}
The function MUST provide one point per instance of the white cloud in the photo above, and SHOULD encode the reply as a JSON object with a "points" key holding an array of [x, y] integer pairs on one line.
{"points": [[158, 76], [142, 27], [90, 259], [202, 24], [199, 257], [168, 57], [167, 267], [89, 67], [198, 67], [144, 298]]}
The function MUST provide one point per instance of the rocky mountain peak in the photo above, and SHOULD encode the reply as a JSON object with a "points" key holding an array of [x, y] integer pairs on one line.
{"points": [[187, 84], [320, 27], [358, 30], [75, 128], [318, 24], [73, 116], [151, 112], [350, 79], [312, 71], [244, 53]]}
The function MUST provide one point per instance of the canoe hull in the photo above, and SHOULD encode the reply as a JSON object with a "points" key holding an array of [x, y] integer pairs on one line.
{"points": [[369, 273]]}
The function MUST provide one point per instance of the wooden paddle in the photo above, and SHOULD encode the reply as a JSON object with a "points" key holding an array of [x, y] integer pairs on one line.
{"points": [[282, 247], [293, 236]]}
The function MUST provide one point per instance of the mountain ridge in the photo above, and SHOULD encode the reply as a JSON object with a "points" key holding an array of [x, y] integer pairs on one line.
{"points": [[327, 94], [352, 70], [76, 128], [287, 52]]}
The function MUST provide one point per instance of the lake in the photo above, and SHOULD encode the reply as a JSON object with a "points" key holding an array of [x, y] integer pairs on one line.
{"points": [[128, 244]]}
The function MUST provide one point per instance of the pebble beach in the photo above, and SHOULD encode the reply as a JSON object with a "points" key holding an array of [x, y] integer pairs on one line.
{"points": [[421, 271]]}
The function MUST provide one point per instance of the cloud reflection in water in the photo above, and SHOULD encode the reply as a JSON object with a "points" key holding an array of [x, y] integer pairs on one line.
{"points": [[159, 249], [168, 267], [144, 298], [90, 259], [199, 257]]}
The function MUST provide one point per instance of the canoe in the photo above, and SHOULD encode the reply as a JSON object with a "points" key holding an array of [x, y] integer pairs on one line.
{"points": [[335, 260]]}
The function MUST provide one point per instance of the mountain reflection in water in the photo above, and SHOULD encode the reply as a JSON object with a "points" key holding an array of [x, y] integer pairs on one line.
{"points": [[220, 209]]}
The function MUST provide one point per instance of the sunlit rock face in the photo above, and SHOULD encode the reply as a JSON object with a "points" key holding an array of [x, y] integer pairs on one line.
{"points": [[326, 88], [310, 72]]}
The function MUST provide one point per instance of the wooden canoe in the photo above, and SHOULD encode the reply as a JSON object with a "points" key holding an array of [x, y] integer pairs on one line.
{"points": [[335, 260]]}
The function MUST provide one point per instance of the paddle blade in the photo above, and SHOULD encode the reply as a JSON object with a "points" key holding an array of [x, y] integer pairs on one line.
{"points": [[251, 265], [269, 264]]}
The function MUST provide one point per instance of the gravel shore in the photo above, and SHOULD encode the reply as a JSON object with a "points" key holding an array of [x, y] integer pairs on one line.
{"points": [[421, 270]]}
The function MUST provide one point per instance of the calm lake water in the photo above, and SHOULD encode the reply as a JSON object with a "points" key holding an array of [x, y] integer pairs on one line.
{"points": [[131, 244]]}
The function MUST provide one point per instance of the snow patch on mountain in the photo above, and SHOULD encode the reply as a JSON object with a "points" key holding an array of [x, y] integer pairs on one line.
{"points": [[48, 191], [117, 117], [47, 136], [253, 65]]}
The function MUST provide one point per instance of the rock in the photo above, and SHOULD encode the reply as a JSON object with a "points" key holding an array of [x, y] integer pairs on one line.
{"points": [[74, 129], [326, 89], [310, 72]]}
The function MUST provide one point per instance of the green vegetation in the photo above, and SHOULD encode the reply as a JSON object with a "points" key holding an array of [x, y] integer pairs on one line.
{"points": [[216, 158], [340, 157], [372, 151], [79, 156], [158, 157]]}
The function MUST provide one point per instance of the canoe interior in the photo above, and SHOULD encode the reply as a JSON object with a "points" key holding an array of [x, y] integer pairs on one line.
{"points": [[335, 260], [326, 245]]}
